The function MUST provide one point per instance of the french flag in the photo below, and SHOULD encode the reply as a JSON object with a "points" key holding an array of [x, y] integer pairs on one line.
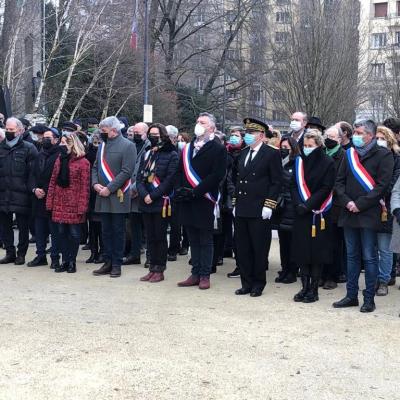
{"points": [[134, 34]]}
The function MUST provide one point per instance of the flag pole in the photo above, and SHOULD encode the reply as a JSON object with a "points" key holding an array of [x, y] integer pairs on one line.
{"points": [[146, 55]]}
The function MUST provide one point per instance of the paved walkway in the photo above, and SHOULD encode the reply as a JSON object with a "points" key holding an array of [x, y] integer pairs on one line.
{"points": [[83, 337]]}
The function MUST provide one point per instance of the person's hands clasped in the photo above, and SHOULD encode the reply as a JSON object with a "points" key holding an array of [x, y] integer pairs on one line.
{"points": [[351, 206]]}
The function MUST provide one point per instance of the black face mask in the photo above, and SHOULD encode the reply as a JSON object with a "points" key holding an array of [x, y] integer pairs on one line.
{"points": [[154, 140], [330, 143], [10, 136], [138, 139], [46, 143], [104, 136], [284, 153]]}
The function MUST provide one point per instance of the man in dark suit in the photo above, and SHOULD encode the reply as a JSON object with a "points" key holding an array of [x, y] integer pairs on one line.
{"points": [[257, 190]]}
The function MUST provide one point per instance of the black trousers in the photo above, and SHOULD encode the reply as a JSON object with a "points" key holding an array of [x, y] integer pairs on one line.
{"points": [[227, 227], [177, 235], [253, 240], [23, 221], [314, 270], [285, 245], [157, 245], [95, 237], [331, 272]]}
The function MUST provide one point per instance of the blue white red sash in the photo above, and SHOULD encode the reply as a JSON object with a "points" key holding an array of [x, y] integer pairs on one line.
{"points": [[106, 172], [166, 210], [305, 194], [194, 180]]}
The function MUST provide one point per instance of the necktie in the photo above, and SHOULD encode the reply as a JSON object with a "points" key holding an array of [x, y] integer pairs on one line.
{"points": [[250, 159]]}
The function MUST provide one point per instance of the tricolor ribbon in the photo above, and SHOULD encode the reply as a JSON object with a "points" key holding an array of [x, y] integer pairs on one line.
{"points": [[305, 194], [364, 178], [194, 180], [166, 210], [109, 176]]}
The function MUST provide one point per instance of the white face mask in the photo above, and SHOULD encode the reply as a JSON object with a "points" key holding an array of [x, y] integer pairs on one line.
{"points": [[382, 142], [199, 130], [181, 145], [295, 125]]}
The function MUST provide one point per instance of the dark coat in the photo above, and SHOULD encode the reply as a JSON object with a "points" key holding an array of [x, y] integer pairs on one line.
{"points": [[260, 184], [379, 164], [42, 171], [69, 205], [166, 164], [16, 176], [337, 208], [319, 174], [210, 165]]}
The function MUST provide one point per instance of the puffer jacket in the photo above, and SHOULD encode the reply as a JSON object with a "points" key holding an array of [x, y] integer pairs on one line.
{"points": [[166, 163], [69, 205], [16, 176]]}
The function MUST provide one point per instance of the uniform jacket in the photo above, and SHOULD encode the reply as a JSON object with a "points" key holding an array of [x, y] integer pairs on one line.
{"points": [[319, 174], [16, 176], [259, 185], [379, 164], [120, 154], [210, 165], [69, 205]]}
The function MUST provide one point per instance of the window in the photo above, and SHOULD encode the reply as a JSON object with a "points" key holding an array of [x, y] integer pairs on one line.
{"points": [[278, 95], [200, 84], [231, 94], [231, 16], [232, 54], [278, 115], [381, 10], [397, 38], [282, 2], [282, 17], [200, 16], [378, 70], [281, 37], [257, 95], [396, 69], [378, 102], [379, 40], [201, 40], [398, 8]]}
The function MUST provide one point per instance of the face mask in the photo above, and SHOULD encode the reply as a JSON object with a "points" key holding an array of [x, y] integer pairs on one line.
{"points": [[284, 153], [104, 136], [358, 140], [382, 142], [10, 136], [234, 140], [154, 140], [46, 143], [91, 130], [249, 139], [181, 145], [308, 150], [199, 130], [137, 139], [295, 125], [330, 143]]}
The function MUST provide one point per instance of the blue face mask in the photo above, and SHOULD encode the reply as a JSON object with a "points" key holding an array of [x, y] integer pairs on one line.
{"points": [[234, 140], [249, 139], [308, 150], [358, 140]]}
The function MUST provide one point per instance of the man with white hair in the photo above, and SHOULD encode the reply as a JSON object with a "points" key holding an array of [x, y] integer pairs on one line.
{"points": [[173, 133], [111, 179], [16, 187]]}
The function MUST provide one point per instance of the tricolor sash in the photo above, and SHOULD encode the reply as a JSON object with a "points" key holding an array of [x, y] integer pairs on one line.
{"points": [[363, 177], [109, 176], [305, 194], [194, 180]]}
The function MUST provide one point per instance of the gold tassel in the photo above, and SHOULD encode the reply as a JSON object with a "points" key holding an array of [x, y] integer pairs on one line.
{"points": [[322, 223], [120, 195], [313, 231], [384, 216], [164, 212], [169, 210]]}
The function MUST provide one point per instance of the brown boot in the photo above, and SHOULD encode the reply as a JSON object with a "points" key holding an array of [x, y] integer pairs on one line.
{"points": [[204, 283], [157, 277], [193, 280], [105, 269], [147, 277]]}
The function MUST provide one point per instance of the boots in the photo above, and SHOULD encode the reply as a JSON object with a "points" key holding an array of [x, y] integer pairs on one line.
{"points": [[92, 258], [8, 259], [157, 277], [105, 269], [55, 264], [115, 272], [305, 282], [38, 261], [99, 259], [62, 268], [312, 293], [193, 280], [71, 267]]}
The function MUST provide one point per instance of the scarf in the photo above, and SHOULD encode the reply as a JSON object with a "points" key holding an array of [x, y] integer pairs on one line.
{"points": [[286, 160], [362, 151], [198, 144], [332, 152], [63, 175], [13, 142]]}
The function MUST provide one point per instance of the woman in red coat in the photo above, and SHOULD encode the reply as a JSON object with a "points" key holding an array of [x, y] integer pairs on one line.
{"points": [[68, 198]]}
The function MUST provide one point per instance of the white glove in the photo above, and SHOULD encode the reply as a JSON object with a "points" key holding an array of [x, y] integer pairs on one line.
{"points": [[266, 213], [233, 211]]}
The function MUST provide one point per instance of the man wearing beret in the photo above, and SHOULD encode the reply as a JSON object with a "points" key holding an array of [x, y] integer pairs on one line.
{"points": [[257, 190]]}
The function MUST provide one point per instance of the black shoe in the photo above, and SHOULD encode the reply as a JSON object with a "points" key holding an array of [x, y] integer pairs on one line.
{"points": [[99, 259], [368, 306], [305, 284], [312, 294], [147, 263], [346, 302], [281, 274], [105, 269], [55, 264], [132, 261], [392, 281], [62, 268], [220, 262], [289, 278], [342, 278], [20, 260], [190, 261], [38, 261], [242, 291], [172, 257], [91, 259], [213, 269], [115, 272], [32, 239], [8, 259], [228, 253], [183, 251], [255, 293], [234, 274], [85, 247], [71, 268]]}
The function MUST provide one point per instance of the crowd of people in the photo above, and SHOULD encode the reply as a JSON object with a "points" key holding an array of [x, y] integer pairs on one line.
{"points": [[332, 194]]}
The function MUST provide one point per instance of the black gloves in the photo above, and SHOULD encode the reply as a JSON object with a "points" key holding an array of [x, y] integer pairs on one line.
{"points": [[183, 194], [396, 213], [301, 209]]}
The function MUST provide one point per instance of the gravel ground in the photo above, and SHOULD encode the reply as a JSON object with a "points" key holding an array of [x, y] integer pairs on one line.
{"points": [[76, 336]]}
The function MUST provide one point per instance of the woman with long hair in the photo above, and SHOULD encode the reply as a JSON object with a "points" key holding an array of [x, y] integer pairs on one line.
{"points": [[68, 198]]}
